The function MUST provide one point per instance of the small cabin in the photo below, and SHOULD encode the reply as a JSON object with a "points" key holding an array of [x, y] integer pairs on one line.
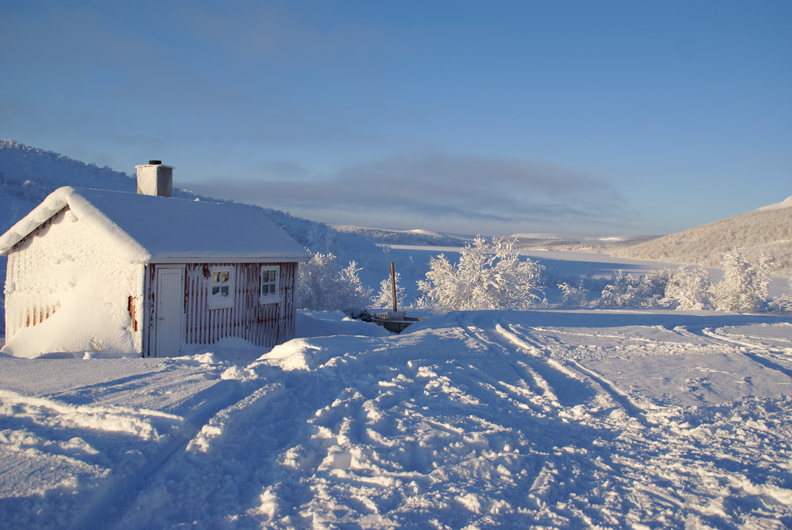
{"points": [[105, 271]]}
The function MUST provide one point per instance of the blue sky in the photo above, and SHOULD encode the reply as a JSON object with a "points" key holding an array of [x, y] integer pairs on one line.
{"points": [[578, 117]]}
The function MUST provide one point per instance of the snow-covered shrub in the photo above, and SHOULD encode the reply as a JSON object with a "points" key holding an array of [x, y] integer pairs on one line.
{"points": [[384, 298], [688, 288], [626, 291], [352, 293], [489, 275], [572, 296], [743, 289], [322, 285], [745, 284], [623, 290], [782, 304]]}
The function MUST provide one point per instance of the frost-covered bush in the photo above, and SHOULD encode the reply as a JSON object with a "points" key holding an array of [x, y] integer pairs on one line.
{"points": [[626, 291], [782, 304], [572, 296], [623, 290], [384, 297], [322, 285], [688, 288], [745, 284], [743, 288], [489, 275]]}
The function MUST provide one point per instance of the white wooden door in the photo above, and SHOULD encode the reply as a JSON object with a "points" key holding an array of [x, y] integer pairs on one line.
{"points": [[170, 303]]}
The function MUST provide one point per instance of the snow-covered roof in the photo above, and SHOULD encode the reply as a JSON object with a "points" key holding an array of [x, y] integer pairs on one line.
{"points": [[157, 229]]}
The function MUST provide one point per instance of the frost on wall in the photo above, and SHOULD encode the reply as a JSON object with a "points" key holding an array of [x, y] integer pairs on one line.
{"points": [[59, 307]]}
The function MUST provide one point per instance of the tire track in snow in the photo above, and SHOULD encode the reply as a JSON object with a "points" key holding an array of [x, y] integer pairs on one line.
{"points": [[535, 382], [536, 352], [618, 395], [519, 367], [122, 493], [767, 363], [609, 387], [713, 338]]}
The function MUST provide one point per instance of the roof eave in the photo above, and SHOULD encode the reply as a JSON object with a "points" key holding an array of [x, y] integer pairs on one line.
{"points": [[226, 259]]}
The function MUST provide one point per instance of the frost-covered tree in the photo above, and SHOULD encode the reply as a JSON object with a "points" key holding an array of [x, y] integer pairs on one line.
{"points": [[489, 275], [352, 293], [624, 290], [322, 285], [572, 296], [384, 297], [688, 288], [745, 285], [782, 304]]}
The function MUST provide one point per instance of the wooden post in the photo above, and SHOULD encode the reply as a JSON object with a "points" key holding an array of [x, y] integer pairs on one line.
{"points": [[393, 288]]}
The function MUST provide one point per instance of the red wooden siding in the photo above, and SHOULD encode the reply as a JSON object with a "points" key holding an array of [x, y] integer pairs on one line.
{"points": [[262, 324]]}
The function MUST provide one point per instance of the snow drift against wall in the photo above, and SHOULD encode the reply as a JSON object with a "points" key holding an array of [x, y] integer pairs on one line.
{"points": [[52, 300]]}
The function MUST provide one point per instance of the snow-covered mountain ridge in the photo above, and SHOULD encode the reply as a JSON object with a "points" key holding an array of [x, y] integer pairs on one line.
{"points": [[786, 203], [767, 230]]}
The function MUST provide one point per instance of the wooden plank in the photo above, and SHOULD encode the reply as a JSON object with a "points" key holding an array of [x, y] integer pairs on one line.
{"points": [[260, 324]]}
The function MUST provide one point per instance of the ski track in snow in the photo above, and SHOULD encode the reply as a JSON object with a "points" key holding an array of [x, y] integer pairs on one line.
{"points": [[477, 420]]}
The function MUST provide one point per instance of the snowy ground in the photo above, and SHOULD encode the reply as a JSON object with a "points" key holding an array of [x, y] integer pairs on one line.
{"points": [[570, 419]]}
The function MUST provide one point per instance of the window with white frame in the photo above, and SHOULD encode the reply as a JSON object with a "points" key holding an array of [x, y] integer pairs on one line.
{"points": [[221, 288], [270, 284]]}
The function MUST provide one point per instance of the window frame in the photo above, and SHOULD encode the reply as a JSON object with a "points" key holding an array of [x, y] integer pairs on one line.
{"points": [[217, 300], [273, 297]]}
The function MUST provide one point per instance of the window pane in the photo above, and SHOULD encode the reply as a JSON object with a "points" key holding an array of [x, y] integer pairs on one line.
{"points": [[224, 291], [272, 276], [223, 276], [215, 290], [216, 277], [265, 289]]}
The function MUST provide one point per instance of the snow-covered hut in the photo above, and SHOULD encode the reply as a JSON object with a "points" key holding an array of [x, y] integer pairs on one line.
{"points": [[105, 271]]}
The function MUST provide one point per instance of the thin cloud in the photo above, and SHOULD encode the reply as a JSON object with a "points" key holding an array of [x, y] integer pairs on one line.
{"points": [[436, 186]]}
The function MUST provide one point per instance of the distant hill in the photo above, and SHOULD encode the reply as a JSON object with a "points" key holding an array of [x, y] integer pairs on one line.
{"points": [[577, 243], [388, 236], [29, 174], [391, 236], [766, 230]]}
